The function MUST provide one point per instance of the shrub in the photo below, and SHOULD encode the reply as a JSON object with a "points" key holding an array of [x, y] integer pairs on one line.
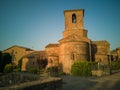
{"points": [[82, 68], [8, 68], [5, 59], [33, 71], [18, 69], [62, 73], [115, 65]]}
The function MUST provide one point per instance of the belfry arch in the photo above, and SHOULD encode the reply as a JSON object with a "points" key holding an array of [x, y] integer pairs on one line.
{"points": [[74, 18]]}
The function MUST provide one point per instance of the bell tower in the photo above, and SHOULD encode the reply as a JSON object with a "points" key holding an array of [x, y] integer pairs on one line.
{"points": [[74, 19], [74, 23], [75, 45]]}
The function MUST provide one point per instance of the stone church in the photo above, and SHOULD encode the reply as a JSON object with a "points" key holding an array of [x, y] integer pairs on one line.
{"points": [[75, 44]]}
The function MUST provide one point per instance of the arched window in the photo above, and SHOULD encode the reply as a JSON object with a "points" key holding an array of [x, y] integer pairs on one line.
{"points": [[73, 18], [73, 56]]}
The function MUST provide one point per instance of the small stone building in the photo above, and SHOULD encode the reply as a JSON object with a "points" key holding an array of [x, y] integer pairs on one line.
{"points": [[115, 54], [101, 51], [17, 52], [36, 59], [52, 51]]}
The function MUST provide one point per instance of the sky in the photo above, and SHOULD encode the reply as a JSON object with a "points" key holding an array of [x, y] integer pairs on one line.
{"points": [[36, 23]]}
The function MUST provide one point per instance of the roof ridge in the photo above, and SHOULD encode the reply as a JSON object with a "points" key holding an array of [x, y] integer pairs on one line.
{"points": [[51, 45], [19, 46]]}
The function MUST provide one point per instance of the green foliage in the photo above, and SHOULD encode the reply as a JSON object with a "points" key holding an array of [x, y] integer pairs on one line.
{"points": [[62, 73], [8, 68], [115, 65], [5, 58], [0, 57], [19, 65], [33, 71], [53, 71], [1, 60], [18, 69], [82, 68]]}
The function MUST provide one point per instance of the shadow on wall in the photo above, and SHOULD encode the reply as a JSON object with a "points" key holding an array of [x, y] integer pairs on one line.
{"points": [[36, 64], [94, 51], [61, 67]]}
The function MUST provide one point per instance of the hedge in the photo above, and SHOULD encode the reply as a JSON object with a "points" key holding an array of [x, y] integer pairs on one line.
{"points": [[115, 65], [33, 71], [82, 68]]}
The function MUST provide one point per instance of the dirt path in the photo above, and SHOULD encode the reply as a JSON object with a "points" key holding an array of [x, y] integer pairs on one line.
{"points": [[111, 82]]}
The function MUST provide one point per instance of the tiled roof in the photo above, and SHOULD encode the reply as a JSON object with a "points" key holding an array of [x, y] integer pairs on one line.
{"points": [[28, 49], [101, 42], [52, 45], [37, 54], [74, 38]]}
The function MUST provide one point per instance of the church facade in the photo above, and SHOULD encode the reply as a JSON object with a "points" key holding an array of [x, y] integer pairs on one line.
{"points": [[75, 44]]}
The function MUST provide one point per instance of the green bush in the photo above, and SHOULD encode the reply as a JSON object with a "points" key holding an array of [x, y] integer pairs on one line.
{"points": [[18, 69], [82, 68], [33, 71], [62, 73], [115, 65], [8, 68], [5, 58]]}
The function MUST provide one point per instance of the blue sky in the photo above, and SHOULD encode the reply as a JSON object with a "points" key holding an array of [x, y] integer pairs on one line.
{"points": [[36, 23]]}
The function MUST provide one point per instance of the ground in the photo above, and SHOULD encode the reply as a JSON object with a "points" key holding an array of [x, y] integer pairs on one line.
{"points": [[111, 82]]}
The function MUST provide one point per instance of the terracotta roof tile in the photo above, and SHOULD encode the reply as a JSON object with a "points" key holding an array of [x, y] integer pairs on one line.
{"points": [[52, 45], [28, 49]]}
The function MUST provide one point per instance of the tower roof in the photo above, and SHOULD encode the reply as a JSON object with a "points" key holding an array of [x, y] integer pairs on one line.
{"points": [[74, 10], [36, 54], [74, 38], [101, 42], [52, 45]]}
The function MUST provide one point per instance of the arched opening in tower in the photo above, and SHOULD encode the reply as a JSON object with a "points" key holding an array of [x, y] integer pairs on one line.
{"points": [[73, 18]]}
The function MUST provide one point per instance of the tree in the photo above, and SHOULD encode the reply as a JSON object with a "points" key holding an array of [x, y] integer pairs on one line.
{"points": [[6, 58], [0, 61], [0, 56], [8, 68]]}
